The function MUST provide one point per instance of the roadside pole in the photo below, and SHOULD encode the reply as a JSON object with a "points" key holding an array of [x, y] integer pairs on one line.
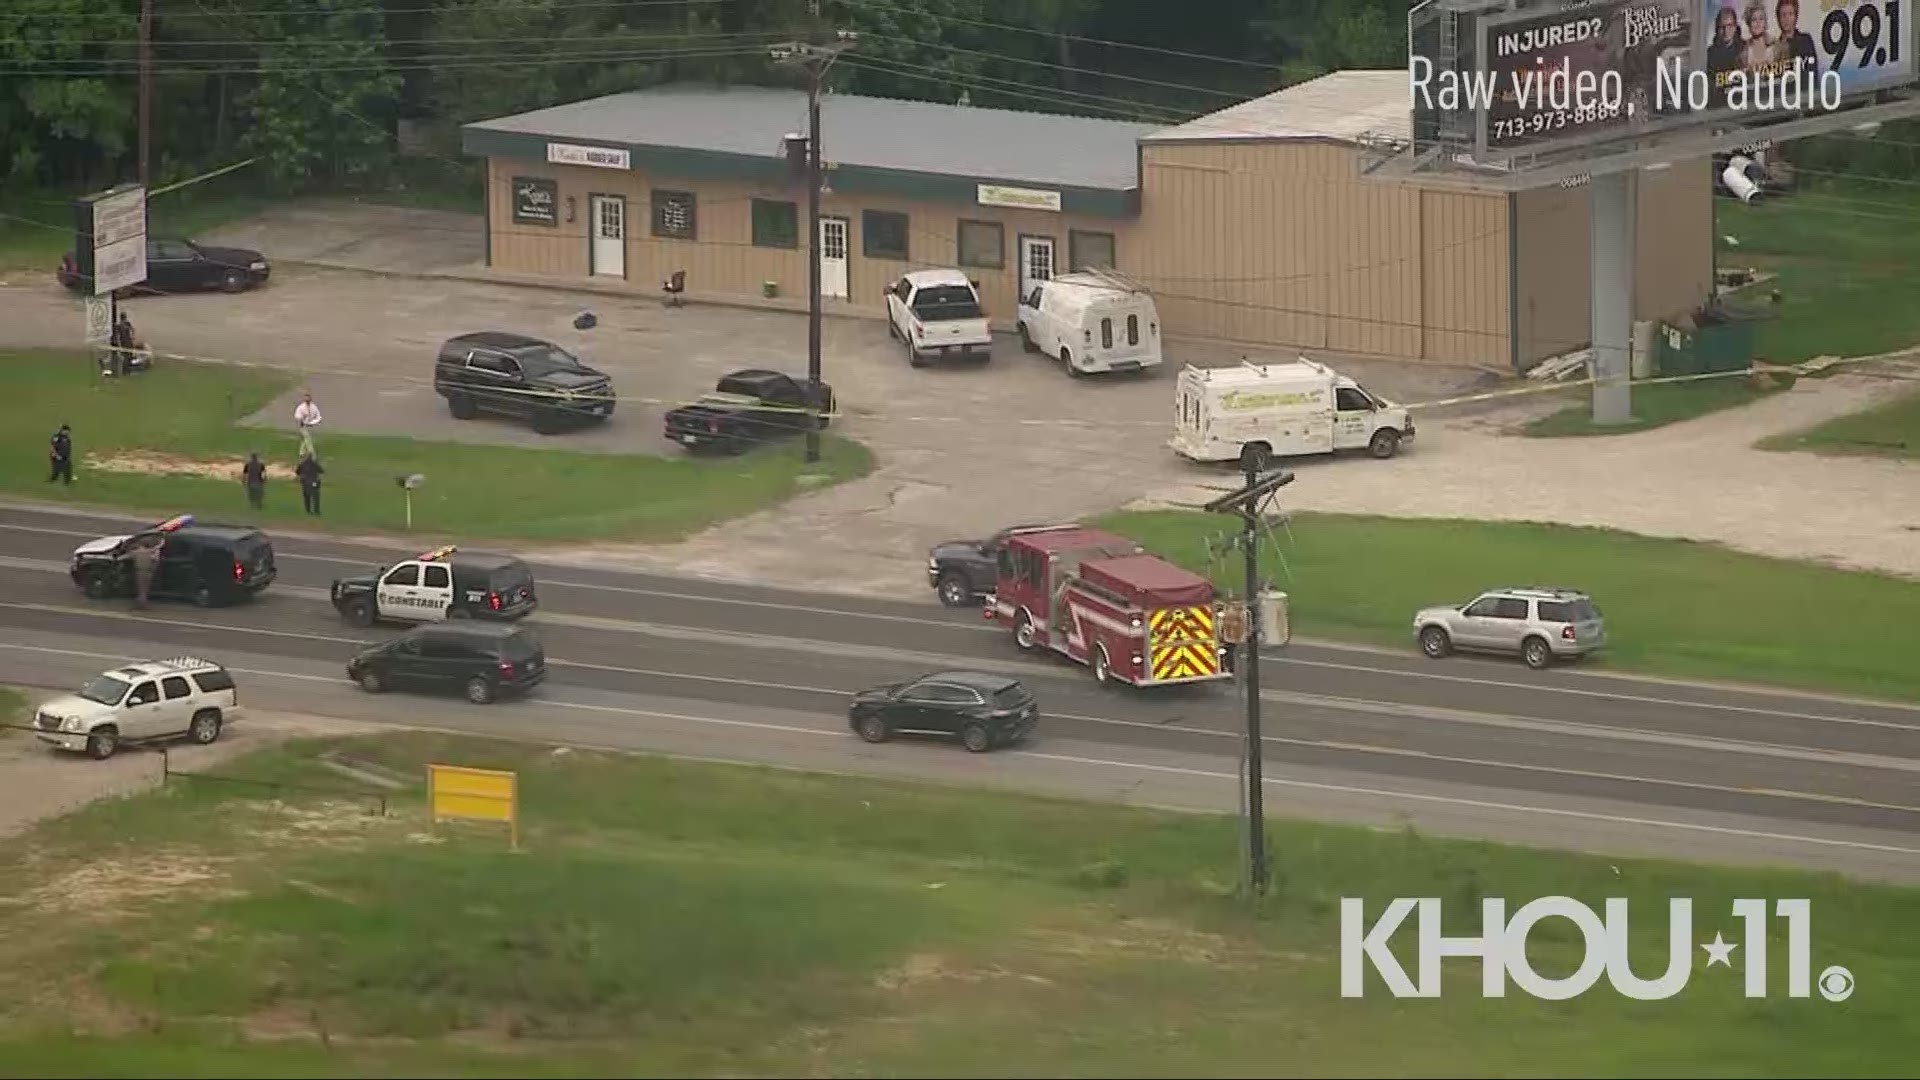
{"points": [[1246, 504], [816, 59]]}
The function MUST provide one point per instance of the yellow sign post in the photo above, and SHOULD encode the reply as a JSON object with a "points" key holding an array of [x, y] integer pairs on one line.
{"points": [[454, 791]]}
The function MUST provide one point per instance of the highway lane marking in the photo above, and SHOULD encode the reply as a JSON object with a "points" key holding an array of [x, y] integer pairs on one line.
{"points": [[1396, 709], [1278, 740], [1278, 782], [1641, 699]]}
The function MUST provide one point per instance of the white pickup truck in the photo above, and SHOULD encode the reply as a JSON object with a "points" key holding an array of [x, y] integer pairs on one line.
{"points": [[937, 313]]}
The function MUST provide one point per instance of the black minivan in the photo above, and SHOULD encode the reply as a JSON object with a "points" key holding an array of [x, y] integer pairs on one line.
{"points": [[482, 660]]}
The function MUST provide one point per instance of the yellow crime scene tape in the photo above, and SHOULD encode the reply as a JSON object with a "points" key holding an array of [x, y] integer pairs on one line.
{"points": [[1810, 367]]}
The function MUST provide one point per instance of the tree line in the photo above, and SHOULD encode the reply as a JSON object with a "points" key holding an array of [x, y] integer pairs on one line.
{"points": [[318, 91]]}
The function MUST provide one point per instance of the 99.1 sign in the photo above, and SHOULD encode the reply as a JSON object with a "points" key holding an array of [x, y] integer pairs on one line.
{"points": [[1866, 44]]}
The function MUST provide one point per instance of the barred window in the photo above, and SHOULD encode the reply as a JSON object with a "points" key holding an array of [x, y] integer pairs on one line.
{"points": [[673, 215]]}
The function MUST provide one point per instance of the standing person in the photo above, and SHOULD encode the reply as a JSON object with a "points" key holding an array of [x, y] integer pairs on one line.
{"points": [[254, 476], [120, 344], [146, 556], [306, 417], [309, 471], [60, 456]]}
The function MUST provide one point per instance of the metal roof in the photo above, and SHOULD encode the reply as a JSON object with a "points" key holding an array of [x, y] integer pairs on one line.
{"points": [[993, 145], [1342, 106]]}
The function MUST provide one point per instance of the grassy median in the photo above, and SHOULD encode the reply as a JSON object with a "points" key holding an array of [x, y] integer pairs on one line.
{"points": [[1656, 405], [684, 919], [1889, 430], [140, 441], [1673, 607]]}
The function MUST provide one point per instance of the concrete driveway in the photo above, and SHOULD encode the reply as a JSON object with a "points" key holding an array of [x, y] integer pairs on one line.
{"points": [[962, 450]]}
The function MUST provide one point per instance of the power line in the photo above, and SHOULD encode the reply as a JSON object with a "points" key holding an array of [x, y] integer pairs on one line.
{"points": [[1230, 94], [881, 5], [271, 66], [599, 35], [309, 9]]}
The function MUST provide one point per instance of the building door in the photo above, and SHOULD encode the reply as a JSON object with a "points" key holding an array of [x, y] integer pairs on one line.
{"points": [[608, 254], [1036, 261], [833, 257]]}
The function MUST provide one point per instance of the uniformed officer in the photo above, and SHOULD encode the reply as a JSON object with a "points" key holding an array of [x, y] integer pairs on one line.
{"points": [[60, 456], [145, 556]]}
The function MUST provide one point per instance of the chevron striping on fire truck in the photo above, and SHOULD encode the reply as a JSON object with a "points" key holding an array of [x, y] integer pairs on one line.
{"points": [[1184, 643]]}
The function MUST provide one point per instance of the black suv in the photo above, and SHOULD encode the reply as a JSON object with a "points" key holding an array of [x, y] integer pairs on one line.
{"points": [[984, 710], [445, 583], [748, 408], [211, 565], [963, 571], [513, 375], [481, 660]]}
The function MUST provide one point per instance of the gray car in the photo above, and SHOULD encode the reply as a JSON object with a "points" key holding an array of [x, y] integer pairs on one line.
{"points": [[1538, 625]]}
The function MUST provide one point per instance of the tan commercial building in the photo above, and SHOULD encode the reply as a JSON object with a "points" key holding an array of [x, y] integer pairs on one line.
{"points": [[1254, 224]]}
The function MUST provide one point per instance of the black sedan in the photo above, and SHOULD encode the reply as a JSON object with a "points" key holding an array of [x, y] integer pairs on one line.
{"points": [[984, 710], [184, 266]]}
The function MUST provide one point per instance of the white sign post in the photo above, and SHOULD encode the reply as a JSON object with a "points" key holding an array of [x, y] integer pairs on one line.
{"points": [[119, 240], [99, 319]]}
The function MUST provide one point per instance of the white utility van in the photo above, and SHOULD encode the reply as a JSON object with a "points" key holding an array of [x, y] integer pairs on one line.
{"points": [[1091, 321], [1281, 410], [938, 313]]}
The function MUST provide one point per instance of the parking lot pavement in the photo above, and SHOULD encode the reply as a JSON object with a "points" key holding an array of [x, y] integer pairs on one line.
{"points": [[961, 450]]}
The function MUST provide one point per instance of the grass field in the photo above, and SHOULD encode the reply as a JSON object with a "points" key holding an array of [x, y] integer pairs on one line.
{"points": [[1672, 607], [1844, 255], [1890, 430], [1654, 406], [684, 919], [191, 412]]}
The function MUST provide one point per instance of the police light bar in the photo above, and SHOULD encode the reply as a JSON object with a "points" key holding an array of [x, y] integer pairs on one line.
{"points": [[438, 553], [173, 523]]}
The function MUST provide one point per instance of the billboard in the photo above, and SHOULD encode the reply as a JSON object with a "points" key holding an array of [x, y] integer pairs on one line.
{"points": [[1579, 74], [1866, 44]]}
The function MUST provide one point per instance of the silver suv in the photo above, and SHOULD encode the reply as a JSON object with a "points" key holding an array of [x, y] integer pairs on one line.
{"points": [[1540, 625]]}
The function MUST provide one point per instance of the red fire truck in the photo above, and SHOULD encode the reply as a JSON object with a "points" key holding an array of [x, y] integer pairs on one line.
{"points": [[1102, 600]]}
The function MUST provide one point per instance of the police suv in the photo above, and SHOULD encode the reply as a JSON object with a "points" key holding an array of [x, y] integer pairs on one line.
{"points": [[445, 583], [210, 565]]}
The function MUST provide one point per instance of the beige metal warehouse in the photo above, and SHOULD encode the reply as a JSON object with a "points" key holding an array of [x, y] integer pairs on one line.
{"points": [[1255, 224]]}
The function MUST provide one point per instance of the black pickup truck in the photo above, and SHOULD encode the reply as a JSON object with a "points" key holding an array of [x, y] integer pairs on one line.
{"points": [[748, 408]]}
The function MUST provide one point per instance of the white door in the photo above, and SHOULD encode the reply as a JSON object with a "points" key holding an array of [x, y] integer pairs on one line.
{"points": [[833, 257], [436, 590], [143, 716], [401, 595], [176, 710], [609, 252], [1036, 261]]}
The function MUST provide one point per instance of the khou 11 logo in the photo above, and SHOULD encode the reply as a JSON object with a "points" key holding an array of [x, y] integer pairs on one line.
{"points": [[1502, 949]]}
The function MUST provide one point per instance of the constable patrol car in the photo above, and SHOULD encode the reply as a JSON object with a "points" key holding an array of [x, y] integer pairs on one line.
{"points": [[445, 583]]}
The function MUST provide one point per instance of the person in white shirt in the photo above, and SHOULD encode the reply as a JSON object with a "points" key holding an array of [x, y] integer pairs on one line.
{"points": [[306, 416]]}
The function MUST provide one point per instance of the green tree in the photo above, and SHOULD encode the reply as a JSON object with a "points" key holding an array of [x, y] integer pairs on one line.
{"points": [[320, 112], [66, 112]]}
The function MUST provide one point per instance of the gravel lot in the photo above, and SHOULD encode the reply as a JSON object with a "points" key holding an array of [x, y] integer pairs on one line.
{"points": [[963, 450]]}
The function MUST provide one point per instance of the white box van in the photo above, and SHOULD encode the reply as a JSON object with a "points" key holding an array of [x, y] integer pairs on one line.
{"points": [[1092, 321], [1281, 410]]}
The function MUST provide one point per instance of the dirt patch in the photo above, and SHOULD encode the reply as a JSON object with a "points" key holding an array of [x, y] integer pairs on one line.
{"points": [[150, 463], [1156, 939], [109, 886], [922, 969]]}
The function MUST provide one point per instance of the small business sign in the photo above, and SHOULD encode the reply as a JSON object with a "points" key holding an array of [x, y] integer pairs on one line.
{"points": [[99, 319], [1018, 198], [111, 245], [598, 157], [535, 201]]}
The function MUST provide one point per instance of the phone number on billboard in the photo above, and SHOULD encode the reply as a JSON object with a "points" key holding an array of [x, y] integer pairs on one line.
{"points": [[1550, 121]]}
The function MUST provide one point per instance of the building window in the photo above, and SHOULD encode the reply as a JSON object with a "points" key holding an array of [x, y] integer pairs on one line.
{"points": [[673, 215], [982, 243], [1091, 250], [883, 234], [775, 224]]}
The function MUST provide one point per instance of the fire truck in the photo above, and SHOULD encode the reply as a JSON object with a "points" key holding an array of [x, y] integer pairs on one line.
{"points": [[1103, 601]]}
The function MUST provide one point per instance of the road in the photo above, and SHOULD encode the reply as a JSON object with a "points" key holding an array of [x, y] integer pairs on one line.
{"points": [[1479, 748]]}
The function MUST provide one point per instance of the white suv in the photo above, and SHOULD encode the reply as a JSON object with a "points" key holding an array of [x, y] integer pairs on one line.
{"points": [[151, 700]]}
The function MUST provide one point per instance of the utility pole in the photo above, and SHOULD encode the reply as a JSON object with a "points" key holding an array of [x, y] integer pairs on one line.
{"points": [[1246, 504], [815, 58], [146, 86]]}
